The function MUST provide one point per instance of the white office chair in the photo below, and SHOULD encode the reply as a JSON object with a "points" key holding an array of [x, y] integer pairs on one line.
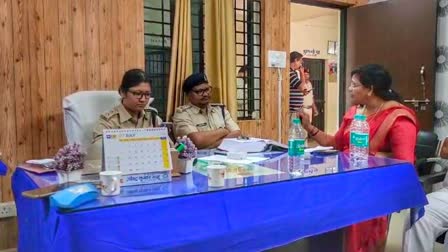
{"points": [[81, 112]]}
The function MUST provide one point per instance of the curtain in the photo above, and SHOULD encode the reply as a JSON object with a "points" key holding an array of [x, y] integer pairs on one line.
{"points": [[441, 95], [181, 55], [219, 40]]}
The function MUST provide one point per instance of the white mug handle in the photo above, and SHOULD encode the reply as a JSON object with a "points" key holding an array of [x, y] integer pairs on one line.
{"points": [[114, 185]]}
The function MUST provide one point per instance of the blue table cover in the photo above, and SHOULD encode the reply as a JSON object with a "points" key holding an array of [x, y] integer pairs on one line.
{"points": [[3, 168], [249, 214]]}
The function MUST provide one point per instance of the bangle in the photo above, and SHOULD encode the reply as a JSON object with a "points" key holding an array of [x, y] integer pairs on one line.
{"points": [[316, 131], [314, 134], [312, 129]]}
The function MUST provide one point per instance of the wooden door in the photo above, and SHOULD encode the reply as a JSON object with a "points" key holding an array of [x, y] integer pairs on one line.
{"points": [[401, 35]]}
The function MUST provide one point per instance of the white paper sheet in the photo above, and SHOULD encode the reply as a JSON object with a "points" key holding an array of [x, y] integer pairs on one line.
{"points": [[224, 159], [318, 148], [241, 145]]}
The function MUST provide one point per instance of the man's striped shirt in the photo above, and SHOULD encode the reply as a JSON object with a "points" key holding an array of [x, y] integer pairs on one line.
{"points": [[295, 96]]}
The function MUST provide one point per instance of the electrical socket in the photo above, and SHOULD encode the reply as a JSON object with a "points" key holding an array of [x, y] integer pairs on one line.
{"points": [[8, 209]]}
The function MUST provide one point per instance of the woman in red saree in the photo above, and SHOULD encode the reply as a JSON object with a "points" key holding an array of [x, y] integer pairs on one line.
{"points": [[393, 132]]}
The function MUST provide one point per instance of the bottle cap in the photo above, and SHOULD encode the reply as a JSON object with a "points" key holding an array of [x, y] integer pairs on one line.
{"points": [[180, 147], [296, 121]]}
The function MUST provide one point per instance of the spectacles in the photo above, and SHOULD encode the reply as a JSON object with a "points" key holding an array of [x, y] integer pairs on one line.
{"points": [[202, 91], [140, 95]]}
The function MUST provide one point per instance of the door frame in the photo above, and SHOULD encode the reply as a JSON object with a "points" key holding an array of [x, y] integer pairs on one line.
{"points": [[342, 63]]}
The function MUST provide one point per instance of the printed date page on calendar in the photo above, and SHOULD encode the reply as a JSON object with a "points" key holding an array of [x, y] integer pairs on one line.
{"points": [[135, 151]]}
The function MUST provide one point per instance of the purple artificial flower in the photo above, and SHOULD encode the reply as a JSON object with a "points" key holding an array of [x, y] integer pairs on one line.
{"points": [[69, 158], [190, 151]]}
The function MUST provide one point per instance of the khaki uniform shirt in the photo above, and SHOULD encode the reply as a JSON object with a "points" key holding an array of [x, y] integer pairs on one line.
{"points": [[189, 119], [119, 118]]}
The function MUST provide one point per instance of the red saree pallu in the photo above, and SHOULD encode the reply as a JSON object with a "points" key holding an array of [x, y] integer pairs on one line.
{"points": [[393, 132]]}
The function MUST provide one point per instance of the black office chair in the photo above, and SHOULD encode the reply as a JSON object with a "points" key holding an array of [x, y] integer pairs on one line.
{"points": [[443, 151], [428, 152]]}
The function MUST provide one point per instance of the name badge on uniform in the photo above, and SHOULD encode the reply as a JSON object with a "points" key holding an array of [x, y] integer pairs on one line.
{"points": [[201, 124]]}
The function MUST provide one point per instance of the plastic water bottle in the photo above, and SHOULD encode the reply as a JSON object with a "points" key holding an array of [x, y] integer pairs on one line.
{"points": [[296, 147], [359, 141]]}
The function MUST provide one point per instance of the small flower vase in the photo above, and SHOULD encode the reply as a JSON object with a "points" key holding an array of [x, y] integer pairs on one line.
{"points": [[185, 165], [66, 177]]}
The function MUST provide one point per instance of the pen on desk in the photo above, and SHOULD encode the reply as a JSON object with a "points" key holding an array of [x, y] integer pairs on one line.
{"points": [[222, 153]]}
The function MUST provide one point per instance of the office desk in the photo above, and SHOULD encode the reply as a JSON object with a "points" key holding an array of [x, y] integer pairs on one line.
{"points": [[248, 214]]}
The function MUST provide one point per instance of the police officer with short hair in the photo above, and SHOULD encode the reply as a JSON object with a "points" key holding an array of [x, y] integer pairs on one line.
{"points": [[204, 123], [132, 112]]}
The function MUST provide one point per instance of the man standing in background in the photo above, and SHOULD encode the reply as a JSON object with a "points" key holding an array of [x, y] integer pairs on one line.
{"points": [[295, 81]]}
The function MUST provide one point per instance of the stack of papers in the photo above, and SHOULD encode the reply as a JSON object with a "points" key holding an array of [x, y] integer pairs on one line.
{"points": [[318, 148], [224, 159], [242, 145], [254, 145], [47, 162]]}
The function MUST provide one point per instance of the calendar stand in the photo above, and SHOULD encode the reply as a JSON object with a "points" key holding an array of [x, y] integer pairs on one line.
{"points": [[143, 155]]}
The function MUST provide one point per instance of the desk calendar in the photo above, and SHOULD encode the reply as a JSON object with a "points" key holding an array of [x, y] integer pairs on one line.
{"points": [[138, 153]]}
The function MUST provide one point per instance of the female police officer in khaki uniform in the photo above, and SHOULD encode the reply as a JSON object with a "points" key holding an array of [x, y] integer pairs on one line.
{"points": [[133, 112]]}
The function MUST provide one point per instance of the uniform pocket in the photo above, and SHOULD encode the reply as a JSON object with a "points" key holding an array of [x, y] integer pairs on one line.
{"points": [[203, 126]]}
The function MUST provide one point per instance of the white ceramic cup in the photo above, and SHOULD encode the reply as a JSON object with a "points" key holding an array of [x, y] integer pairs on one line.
{"points": [[110, 183], [216, 175]]}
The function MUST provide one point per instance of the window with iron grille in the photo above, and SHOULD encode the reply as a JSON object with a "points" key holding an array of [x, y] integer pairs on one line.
{"points": [[197, 34], [248, 58], [158, 21]]}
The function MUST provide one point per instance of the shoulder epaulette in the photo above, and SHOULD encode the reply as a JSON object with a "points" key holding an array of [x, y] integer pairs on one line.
{"points": [[182, 108], [107, 115]]}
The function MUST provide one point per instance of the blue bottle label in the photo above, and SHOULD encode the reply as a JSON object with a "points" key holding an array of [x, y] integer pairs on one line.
{"points": [[358, 139]]}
